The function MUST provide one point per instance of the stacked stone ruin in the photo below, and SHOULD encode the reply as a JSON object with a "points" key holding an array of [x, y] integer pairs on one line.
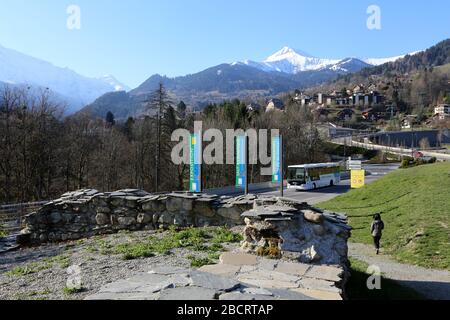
{"points": [[296, 231], [86, 213], [274, 227]]}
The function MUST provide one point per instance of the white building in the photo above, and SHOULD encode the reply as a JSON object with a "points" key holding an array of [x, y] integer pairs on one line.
{"points": [[443, 111]]}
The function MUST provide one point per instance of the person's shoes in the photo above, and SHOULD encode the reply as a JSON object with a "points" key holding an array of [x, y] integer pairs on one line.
{"points": [[378, 251]]}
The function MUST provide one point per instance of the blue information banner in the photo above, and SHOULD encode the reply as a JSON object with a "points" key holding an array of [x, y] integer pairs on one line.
{"points": [[195, 181], [276, 160], [241, 161]]}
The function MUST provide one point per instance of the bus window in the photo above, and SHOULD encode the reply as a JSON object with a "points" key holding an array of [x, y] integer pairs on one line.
{"points": [[297, 175]]}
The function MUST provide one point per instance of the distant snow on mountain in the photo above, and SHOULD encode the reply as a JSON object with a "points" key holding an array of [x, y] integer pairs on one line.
{"points": [[380, 61], [20, 69], [288, 60], [113, 82]]}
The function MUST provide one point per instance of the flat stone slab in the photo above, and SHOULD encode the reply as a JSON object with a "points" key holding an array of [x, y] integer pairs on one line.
{"points": [[188, 293], [239, 296], [298, 269], [258, 292], [141, 283], [278, 219], [329, 273], [320, 294], [246, 282], [281, 208], [318, 284], [117, 296], [238, 259], [267, 264], [167, 270], [268, 284], [211, 281], [221, 269]]}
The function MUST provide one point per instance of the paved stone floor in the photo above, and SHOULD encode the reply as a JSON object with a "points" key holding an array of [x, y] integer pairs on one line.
{"points": [[237, 277]]}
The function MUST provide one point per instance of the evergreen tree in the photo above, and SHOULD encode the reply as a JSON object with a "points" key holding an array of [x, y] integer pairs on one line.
{"points": [[181, 109], [110, 118], [160, 101]]}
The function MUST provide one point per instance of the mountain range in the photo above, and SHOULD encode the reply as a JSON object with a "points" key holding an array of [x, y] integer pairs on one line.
{"points": [[291, 61], [285, 70], [68, 87]]}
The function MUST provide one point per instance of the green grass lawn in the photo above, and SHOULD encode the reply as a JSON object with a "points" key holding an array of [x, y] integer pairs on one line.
{"points": [[415, 206]]}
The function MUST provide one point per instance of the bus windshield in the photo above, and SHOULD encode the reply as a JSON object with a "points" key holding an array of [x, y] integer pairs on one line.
{"points": [[297, 174]]}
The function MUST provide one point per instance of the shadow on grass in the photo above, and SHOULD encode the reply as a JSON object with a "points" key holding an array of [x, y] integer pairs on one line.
{"points": [[390, 289]]}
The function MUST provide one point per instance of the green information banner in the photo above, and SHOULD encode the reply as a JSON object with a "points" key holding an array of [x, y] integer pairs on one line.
{"points": [[241, 161], [276, 160], [195, 181]]}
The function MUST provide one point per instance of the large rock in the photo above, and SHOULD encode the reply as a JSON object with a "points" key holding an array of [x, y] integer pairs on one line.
{"points": [[174, 205], [102, 219], [204, 208], [126, 221], [230, 212], [144, 218], [55, 217], [313, 217]]}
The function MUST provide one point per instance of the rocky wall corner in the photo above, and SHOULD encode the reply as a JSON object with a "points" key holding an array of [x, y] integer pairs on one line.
{"points": [[281, 228]]}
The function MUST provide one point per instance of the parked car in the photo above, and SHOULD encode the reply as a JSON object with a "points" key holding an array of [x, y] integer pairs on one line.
{"points": [[417, 154]]}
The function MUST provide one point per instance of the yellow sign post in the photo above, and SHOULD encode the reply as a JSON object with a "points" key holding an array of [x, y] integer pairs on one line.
{"points": [[358, 178]]}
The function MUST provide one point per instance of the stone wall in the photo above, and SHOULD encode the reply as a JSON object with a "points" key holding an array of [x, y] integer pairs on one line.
{"points": [[275, 227], [87, 213]]}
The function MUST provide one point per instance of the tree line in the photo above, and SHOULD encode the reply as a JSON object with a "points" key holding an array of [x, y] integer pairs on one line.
{"points": [[45, 154]]}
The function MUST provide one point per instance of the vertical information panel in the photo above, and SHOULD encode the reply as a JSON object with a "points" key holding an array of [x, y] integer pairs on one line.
{"points": [[276, 160], [241, 156], [195, 181]]}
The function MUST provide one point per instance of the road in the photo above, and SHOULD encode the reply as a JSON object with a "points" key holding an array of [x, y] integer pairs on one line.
{"points": [[321, 195], [399, 151]]}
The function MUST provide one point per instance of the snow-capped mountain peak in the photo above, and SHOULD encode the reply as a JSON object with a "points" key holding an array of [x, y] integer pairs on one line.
{"points": [[293, 61], [77, 90], [287, 53], [113, 82], [288, 60]]}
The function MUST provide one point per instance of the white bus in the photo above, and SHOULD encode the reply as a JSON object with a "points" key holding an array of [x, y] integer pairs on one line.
{"points": [[314, 176]]}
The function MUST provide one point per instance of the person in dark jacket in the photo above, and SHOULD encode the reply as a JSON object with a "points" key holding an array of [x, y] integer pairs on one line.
{"points": [[377, 230]]}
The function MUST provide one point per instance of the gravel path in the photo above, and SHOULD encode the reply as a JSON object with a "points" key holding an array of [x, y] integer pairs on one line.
{"points": [[432, 284], [94, 257]]}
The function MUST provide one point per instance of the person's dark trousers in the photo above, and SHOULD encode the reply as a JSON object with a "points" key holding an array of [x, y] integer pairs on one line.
{"points": [[376, 241]]}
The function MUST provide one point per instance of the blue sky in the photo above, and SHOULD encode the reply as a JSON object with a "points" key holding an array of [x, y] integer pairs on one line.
{"points": [[134, 39]]}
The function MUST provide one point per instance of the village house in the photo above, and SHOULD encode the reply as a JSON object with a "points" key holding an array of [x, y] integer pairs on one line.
{"points": [[253, 107], [358, 89], [371, 115], [442, 111], [321, 113], [275, 104], [345, 114]]}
